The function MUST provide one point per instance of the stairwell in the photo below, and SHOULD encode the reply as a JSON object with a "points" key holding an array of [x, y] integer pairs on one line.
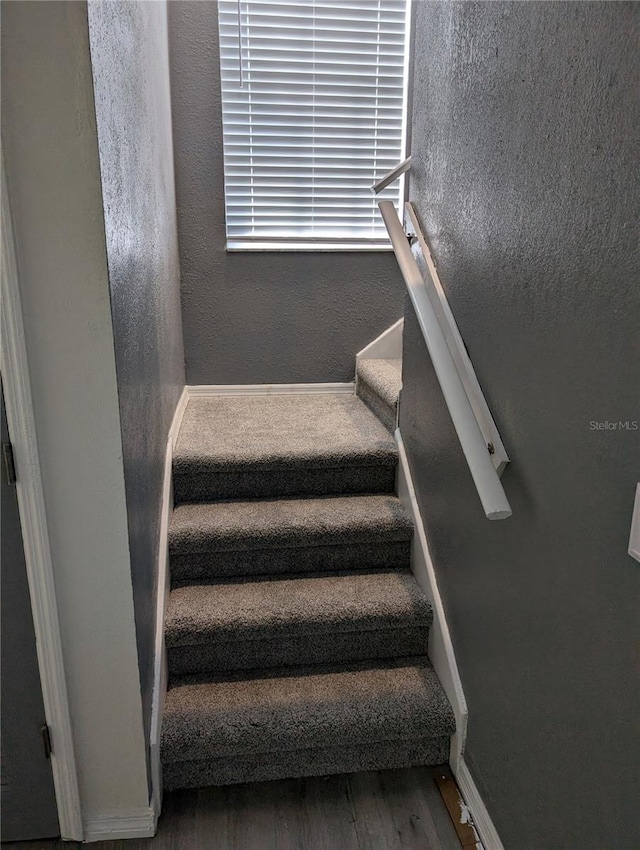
{"points": [[296, 635]]}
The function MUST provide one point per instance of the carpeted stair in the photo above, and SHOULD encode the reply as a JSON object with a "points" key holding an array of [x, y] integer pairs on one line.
{"points": [[378, 385], [295, 621], [296, 635], [230, 539], [256, 447]]}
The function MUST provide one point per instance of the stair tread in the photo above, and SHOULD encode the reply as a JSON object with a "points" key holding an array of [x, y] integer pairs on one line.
{"points": [[280, 431], [300, 606], [345, 707], [384, 377], [284, 523]]}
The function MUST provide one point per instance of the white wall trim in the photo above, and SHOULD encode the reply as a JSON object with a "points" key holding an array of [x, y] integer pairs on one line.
{"points": [[160, 672], [481, 818], [174, 430], [21, 423], [387, 346], [205, 390], [136, 823], [441, 652], [442, 656]]}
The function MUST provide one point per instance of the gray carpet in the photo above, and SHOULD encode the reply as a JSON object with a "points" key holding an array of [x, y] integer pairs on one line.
{"points": [[284, 523], [296, 636], [294, 651], [253, 611], [286, 535], [378, 385], [313, 762], [262, 446], [208, 567], [293, 621], [275, 715]]}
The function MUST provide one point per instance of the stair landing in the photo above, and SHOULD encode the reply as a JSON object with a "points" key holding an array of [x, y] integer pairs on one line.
{"points": [[264, 446]]}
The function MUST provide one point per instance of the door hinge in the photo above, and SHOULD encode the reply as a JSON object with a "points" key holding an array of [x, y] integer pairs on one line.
{"points": [[9, 463], [45, 731]]}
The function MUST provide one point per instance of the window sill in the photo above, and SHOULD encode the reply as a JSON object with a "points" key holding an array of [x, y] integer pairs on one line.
{"points": [[293, 247]]}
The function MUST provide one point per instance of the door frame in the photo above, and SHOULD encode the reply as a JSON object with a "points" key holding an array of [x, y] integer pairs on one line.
{"points": [[37, 550]]}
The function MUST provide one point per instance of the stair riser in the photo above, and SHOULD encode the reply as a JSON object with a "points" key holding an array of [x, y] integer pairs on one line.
{"points": [[291, 650], [385, 413], [208, 567], [194, 485], [315, 762]]}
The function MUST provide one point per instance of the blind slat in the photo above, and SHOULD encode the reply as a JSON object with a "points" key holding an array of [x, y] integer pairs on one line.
{"points": [[301, 53], [293, 133]]}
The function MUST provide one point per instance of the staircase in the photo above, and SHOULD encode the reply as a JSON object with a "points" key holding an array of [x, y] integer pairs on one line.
{"points": [[296, 635], [378, 384]]}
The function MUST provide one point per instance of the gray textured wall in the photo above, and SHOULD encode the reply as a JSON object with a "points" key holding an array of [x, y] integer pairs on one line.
{"points": [[267, 317], [524, 140], [129, 54]]}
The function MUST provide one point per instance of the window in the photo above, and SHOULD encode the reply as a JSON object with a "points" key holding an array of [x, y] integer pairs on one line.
{"points": [[313, 100]]}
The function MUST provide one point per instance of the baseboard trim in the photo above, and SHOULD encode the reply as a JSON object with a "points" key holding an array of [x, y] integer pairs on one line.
{"points": [[481, 818], [160, 673], [205, 390], [177, 417], [441, 652], [116, 826]]}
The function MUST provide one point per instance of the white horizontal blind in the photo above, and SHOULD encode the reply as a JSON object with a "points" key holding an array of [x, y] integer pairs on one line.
{"points": [[313, 111]]}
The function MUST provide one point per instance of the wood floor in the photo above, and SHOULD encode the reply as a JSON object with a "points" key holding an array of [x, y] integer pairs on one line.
{"points": [[386, 810]]}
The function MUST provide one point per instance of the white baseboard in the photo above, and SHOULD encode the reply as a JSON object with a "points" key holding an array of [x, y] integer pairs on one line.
{"points": [[204, 390], [387, 346], [177, 416], [441, 652], [442, 656], [481, 818], [134, 823], [160, 673]]}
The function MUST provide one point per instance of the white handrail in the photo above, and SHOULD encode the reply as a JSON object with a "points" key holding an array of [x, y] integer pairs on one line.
{"points": [[422, 253], [400, 169], [476, 452]]}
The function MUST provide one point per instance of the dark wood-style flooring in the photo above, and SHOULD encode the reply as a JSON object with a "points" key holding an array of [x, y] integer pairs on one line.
{"points": [[386, 810]]}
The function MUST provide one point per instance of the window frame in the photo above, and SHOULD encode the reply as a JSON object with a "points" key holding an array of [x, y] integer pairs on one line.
{"points": [[349, 245]]}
